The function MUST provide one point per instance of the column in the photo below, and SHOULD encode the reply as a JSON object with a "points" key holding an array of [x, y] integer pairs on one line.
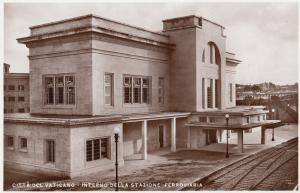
{"points": [[188, 143], [263, 135], [220, 134], [144, 140], [173, 134], [241, 141], [213, 93]]}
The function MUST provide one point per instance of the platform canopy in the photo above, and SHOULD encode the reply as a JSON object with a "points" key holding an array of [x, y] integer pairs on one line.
{"points": [[264, 124]]}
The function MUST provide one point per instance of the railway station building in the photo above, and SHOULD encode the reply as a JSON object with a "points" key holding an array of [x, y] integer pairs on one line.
{"points": [[89, 75]]}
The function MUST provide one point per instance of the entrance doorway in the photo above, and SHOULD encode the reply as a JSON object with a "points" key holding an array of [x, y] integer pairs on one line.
{"points": [[161, 135], [211, 136]]}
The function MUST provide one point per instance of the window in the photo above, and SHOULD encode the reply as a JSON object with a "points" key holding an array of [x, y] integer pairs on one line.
{"points": [[50, 151], [203, 56], [145, 90], [202, 119], [136, 89], [49, 85], [4, 87], [108, 89], [248, 120], [11, 98], [60, 89], [209, 93], [21, 87], [211, 54], [23, 143], [127, 90], [161, 85], [21, 98], [230, 92], [212, 119], [96, 149], [11, 87], [70, 90], [10, 141], [258, 118], [21, 110]]}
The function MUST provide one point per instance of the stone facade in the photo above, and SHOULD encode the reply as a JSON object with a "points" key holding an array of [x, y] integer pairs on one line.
{"points": [[85, 71]]}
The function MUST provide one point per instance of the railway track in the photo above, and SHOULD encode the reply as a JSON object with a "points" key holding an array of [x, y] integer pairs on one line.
{"points": [[271, 169]]}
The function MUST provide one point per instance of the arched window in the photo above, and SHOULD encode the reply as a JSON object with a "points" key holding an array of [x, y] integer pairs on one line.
{"points": [[214, 54]]}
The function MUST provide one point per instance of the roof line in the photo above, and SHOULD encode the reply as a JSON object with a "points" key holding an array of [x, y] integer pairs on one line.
{"points": [[96, 16]]}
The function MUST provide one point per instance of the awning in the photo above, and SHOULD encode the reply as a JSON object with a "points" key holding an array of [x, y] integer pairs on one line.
{"points": [[264, 124]]}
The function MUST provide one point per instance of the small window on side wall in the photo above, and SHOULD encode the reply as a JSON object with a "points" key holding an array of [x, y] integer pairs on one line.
{"points": [[23, 143], [108, 89], [10, 142]]}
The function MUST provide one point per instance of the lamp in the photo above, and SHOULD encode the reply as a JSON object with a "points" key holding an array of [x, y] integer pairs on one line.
{"points": [[227, 120], [273, 116], [116, 131]]}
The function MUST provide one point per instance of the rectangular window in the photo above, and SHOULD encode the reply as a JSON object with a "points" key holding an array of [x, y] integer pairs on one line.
{"points": [[60, 89], [202, 119], [127, 89], [212, 119], [23, 143], [136, 89], [11, 87], [49, 85], [70, 90], [21, 87], [258, 118], [108, 89], [209, 93], [145, 90], [203, 93], [11, 98], [248, 120], [96, 149], [10, 141], [161, 85], [50, 151], [230, 92], [20, 99], [21, 110]]}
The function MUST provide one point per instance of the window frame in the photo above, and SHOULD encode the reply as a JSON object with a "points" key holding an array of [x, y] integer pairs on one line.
{"points": [[108, 151], [10, 147], [21, 86], [19, 97], [112, 86], [11, 99], [46, 151], [161, 90], [65, 92], [20, 144], [141, 87], [11, 88]]}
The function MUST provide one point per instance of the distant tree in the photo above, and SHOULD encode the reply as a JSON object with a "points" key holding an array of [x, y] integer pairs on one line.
{"points": [[255, 88]]}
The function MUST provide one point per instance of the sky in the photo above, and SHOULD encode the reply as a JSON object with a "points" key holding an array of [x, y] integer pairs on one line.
{"points": [[263, 35]]}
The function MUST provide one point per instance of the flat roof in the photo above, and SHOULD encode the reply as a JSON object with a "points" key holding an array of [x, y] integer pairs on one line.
{"points": [[234, 111], [96, 16], [87, 119], [265, 124]]}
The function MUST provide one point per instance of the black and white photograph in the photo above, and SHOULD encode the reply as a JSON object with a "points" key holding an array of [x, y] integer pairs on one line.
{"points": [[150, 96]]}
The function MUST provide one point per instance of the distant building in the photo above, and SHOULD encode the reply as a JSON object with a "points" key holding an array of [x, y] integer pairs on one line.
{"points": [[16, 91]]}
